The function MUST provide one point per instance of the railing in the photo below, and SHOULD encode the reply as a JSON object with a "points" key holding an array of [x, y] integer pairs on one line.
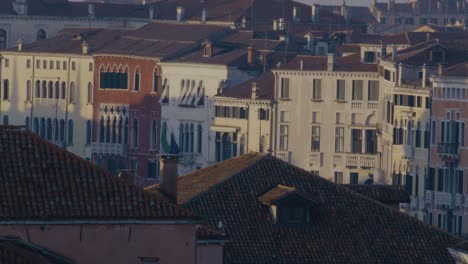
{"points": [[315, 158], [356, 105], [109, 149], [429, 197], [284, 155], [355, 160], [447, 148], [372, 105], [459, 200], [443, 199]]}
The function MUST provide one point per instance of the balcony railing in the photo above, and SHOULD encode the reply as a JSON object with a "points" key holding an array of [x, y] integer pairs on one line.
{"points": [[315, 158], [447, 148], [356, 105], [429, 197], [355, 160], [284, 155], [109, 149], [372, 105], [443, 199]]}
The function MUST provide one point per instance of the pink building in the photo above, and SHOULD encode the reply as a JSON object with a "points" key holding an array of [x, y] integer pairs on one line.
{"points": [[447, 191], [59, 201]]}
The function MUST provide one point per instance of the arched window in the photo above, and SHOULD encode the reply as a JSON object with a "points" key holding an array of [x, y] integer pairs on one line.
{"points": [[64, 91], [135, 133], [43, 128], [51, 90], [181, 137], [3, 39], [108, 130], [101, 130], [426, 136], [227, 146], [71, 97], [38, 89], [192, 136], [187, 138], [28, 90], [57, 90], [242, 145], [49, 129], [119, 132], [114, 130], [41, 34], [36, 125], [70, 132], [154, 132], [90, 93], [56, 130], [26, 123], [126, 131], [6, 90], [155, 81], [137, 80], [62, 130], [44, 89], [5, 120], [199, 138], [417, 136], [89, 131]]}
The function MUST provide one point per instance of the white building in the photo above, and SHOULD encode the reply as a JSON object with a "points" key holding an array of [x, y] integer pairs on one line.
{"points": [[326, 117], [187, 111]]}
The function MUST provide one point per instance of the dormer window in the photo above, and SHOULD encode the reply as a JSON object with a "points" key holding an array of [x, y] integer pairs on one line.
{"points": [[288, 206], [369, 57], [436, 56]]}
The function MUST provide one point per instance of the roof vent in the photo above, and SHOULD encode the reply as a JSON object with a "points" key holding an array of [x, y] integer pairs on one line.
{"points": [[20, 45], [84, 47], [330, 61]]}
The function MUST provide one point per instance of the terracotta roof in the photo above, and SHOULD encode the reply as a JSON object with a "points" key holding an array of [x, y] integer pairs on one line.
{"points": [[351, 63], [347, 228], [276, 193], [265, 88], [16, 251], [207, 233], [424, 6], [459, 70], [387, 194], [40, 181]]}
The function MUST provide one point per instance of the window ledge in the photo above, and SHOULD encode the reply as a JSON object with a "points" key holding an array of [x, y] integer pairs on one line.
{"points": [[340, 101], [154, 93], [136, 92], [285, 99], [8, 100], [316, 100]]}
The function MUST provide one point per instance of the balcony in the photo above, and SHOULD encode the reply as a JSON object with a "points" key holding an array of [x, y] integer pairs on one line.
{"points": [[443, 199], [284, 155], [355, 160], [315, 159], [356, 105], [109, 149], [448, 151], [372, 106], [359, 105]]}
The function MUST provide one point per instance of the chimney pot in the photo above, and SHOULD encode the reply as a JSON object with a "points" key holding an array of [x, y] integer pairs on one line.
{"points": [[20, 45], [296, 14], [180, 13], [84, 47], [250, 54], [331, 61], [169, 175]]}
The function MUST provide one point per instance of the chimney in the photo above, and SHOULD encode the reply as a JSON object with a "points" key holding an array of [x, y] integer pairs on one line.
{"points": [[207, 49], [84, 47], [20, 45], [347, 16], [343, 8], [315, 13], [394, 52], [330, 61], [400, 73], [310, 41], [180, 13], [301, 65], [153, 11], [254, 91], [127, 175], [424, 76], [281, 24], [244, 23], [296, 14], [204, 15], [441, 69], [91, 10], [168, 174], [275, 24], [391, 6], [250, 54]]}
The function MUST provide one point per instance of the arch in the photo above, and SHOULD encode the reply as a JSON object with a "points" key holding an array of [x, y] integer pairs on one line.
{"points": [[108, 130], [114, 130], [63, 92], [70, 132], [62, 130], [135, 132], [42, 128], [101, 130], [56, 130], [3, 39], [90, 93], [27, 122], [57, 90], [226, 142], [199, 138], [51, 90], [36, 125], [44, 89], [371, 119], [136, 85], [5, 120], [89, 131], [192, 137], [41, 34], [71, 95], [28, 90], [38, 89], [6, 90], [154, 137], [49, 129]]}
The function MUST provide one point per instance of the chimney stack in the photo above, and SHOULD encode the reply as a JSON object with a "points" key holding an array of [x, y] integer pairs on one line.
{"points": [[441, 69], [153, 11], [180, 13], [254, 91], [91, 12], [424, 76], [383, 51], [84, 47], [250, 54], [296, 14], [20, 45], [168, 174], [315, 13], [343, 8], [331, 61], [394, 52], [204, 15]]}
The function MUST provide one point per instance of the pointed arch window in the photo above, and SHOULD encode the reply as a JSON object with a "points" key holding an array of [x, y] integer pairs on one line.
{"points": [[119, 131], [56, 130], [26, 122], [49, 129], [62, 130], [135, 133], [89, 131], [108, 130], [38, 89], [186, 138], [6, 90], [3, 39], [101, 130], [51, 90], [28, 91], [70, 132], [154, 132], [44, 89], [43, 128], [41, 34], [181, 137], [36, 125], [155, 81], [199, 138], [137, 80]]}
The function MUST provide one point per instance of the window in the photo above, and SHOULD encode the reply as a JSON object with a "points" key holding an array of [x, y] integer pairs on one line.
{"points": [[283, 137], [71, 95], [5, 120], [373, 91], [89, 131], [436, 56], [28, 64], [242, 144], [64, 65], [317, 89], [56, 130], [51, 90], [315, 139], [3, 39], [371, 142], [409, 21], [36, 125], [292, 215], [154, 135], [339, 118], [387, 75], [433, 132], [51, 65], [49, 129], [62, 130], [64, 91], [340, 90], [284, 116], [27, 123], [357, 90], [155, 81], [191, 138], [264, 114], [417, 136], [152, 170], [338, 177], [57, 65], [423, 21], [90, 67], [200, 141], [315, 117], [227, 146], [459, 181], [6, 90], [44, 64], [115, 79], [369, 57], [73, 66], [284, 94], [137, 81], [7, 63], [354, 178], [339, 139], [398, 20], [135, 133], [90, 93], [38, 64], [41, 34], [70, 132], [356, 140]]}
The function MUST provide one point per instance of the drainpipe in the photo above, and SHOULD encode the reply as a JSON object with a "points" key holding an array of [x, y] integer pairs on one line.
{"points": [[1, 83], [66, 105]]}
